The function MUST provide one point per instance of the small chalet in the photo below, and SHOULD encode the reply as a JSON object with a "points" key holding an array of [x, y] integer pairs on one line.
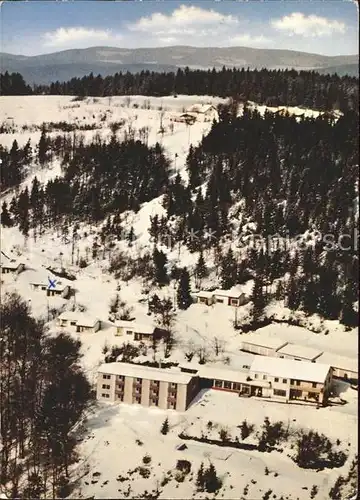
{"points": [[204, 112], [79, 322], [139, 332], [58, 288], [12, 266], [8, 265], [232, 297]]}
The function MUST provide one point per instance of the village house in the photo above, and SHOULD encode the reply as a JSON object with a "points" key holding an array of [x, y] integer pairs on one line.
{"points": [[8, 265], [59, 288], [264, 346], [11, 266], [233, 297], [268, 377], [79, 322], [137, 384], [139, 332], [298, 352], [290, 379], [203, 112]]}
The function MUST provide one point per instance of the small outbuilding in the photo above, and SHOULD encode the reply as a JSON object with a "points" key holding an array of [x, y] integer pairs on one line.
{"points": [[265, 346]]}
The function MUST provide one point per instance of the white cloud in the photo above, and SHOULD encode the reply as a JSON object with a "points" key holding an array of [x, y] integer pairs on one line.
{"points": [[192, 25], [308, 26], [79, 37], [182, 17]]}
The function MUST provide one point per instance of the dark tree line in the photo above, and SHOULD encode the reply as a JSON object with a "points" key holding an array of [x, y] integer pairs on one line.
{"points": [[99, 179], [270, 87], [279, 175], [13, 164], [290, 177], [13, 84], [43, 394]]}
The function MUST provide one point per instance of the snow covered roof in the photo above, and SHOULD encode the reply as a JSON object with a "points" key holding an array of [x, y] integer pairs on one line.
{"points": [[204, 294], [10, 264], [80, 318], [44, 281], [69, 316], [201, 108], [337, 361], [87, 321], [222, 373], [290, 369], [146, 372], [241, 360], [122, 323], [136, 327], [300, 351], [233, 292], [268, 342]]}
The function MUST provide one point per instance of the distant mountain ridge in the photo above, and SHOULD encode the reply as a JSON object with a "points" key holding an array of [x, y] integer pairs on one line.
{"points": [[67, 64]]}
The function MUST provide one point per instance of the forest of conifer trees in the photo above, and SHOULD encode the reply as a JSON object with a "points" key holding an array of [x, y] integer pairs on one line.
{"points": [[270, 87], [290, 177]]}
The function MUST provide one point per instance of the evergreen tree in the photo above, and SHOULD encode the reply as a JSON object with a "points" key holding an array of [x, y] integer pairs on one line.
{"points": [[212, 482], [228, 270], [258, 299], [5, 218], [131, 236], [43, 147], [160, 272], [200, 481], [201, 269], [184, 298], [165, 427]]}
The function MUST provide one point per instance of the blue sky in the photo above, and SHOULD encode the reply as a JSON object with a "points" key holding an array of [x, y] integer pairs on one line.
{"points": [[31, 28]]}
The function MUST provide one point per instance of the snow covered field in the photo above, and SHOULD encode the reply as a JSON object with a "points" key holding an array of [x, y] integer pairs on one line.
{"points": [[109, 442]]}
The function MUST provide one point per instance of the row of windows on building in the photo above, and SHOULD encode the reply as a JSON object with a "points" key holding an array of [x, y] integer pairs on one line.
{"points": [[295, 394], [137, 390], [284, 380]]}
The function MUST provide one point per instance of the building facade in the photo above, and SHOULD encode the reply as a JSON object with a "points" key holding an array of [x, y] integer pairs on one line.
{"points": [[290, 380], [137, 384]]}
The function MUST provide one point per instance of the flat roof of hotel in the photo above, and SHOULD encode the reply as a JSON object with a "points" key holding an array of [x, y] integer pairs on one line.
{"points": [[290, 369], [145, 372]]}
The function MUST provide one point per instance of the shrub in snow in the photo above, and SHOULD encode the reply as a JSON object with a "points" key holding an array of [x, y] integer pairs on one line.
{"points": [[246, 429], [144, 472], [224, 435], [271, 435], [315, 451], [83, 263], [183, 466], [314, 491], [146, 459]]}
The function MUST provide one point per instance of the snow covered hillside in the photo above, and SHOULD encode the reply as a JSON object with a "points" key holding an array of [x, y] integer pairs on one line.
{"points": [[115, 439]]}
